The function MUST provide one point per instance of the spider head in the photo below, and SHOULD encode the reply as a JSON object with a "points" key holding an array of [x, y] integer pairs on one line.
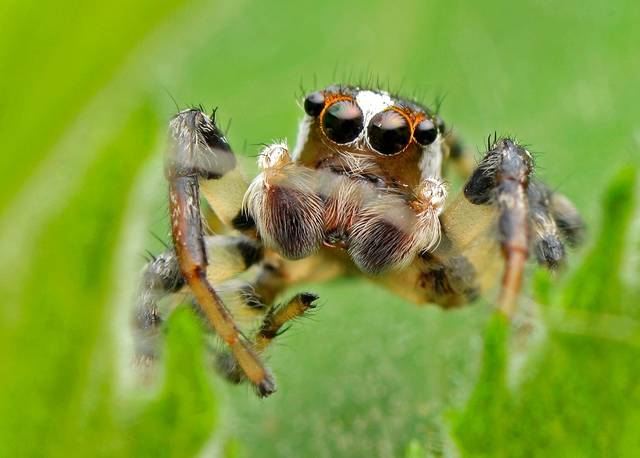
{"points": [[395, 137]]}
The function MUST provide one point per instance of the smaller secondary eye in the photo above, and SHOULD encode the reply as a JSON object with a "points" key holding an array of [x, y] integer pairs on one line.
{"points": [[314, 104], [343, 121], [426, 132], [440, 124], [389, 132]]}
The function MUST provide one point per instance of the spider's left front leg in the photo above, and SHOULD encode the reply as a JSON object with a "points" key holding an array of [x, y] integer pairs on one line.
{"points": [[200, 151], [496, 221], [502, 209]]}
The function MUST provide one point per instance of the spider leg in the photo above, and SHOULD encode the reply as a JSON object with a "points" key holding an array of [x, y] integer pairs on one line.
{"points": [[257, 299], [161, 277], [568, 220], [500, 217], [199, 150], [280, 315], [547, 245], [274, 319], [502, 179]]}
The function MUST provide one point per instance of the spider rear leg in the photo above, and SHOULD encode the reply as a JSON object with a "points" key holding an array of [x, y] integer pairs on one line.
{"points": [[273, 325], [548, 245], [200, 151], [162, 277], [278, 316]]}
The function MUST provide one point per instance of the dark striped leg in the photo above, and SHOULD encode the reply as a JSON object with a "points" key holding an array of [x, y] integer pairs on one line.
{"points": [[502, 179], [492, 225], [200, 151], [274, 275], [555, 222], [275, 317], [161, 277], [528, 214]]}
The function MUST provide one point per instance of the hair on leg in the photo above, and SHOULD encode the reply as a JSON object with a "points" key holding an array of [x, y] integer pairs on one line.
{"points": [[220, 180], [159, 278], [547, 243], [502, 178], [285, 205], [278, 316], [254, 301], [198, 150], [567, 218]]}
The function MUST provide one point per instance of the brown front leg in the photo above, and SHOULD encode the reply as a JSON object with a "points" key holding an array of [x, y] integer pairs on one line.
{"points": [[200, 150], [188, 237]]}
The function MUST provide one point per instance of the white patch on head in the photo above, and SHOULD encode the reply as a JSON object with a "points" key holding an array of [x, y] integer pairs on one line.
{"points": [[372, 103], [431, 160], [303, 136]]}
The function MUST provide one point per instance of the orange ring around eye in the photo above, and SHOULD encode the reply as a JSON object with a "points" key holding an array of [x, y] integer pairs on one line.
{"points": [[373, 130], [346, 129]]}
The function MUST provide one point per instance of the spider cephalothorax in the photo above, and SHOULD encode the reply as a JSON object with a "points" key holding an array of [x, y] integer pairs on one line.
{"points": [[363, 193], [364, 176]]}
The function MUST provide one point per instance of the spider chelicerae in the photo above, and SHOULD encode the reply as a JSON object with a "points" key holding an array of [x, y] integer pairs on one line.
{"points": [[361, 193]]}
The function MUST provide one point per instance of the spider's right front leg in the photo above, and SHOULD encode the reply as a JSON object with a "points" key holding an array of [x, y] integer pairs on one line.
{"points": [[504, 213], [199, 151]]}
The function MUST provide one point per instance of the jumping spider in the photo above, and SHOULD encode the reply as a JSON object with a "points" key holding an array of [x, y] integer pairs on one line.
{"points": [[361, 193]]}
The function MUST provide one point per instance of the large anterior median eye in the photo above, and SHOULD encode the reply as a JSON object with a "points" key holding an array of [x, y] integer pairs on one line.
{"points": [[389, 132], [342, 121]]}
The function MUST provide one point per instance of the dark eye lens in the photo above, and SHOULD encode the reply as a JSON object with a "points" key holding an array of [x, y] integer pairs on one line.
{"points": [[389, 132], [426, 132], [342, 121], [314, 103]]}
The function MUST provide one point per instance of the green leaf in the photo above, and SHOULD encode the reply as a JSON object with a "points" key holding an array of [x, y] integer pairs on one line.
{"points": [[182, 418], [415, 450], [476, 428], [598, 284], [79, 128], [580, 396]]}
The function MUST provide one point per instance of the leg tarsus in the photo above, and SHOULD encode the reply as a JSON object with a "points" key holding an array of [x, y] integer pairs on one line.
{"points": [[547, 245], [273, 325], [160, 277], [278, 316]]}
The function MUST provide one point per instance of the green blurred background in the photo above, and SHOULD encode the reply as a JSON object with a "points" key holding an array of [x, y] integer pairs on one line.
{"points": [[87, 90]]}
